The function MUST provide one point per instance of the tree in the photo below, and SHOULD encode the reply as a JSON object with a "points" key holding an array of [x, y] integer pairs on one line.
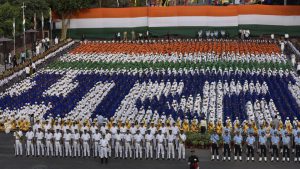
{"points": [[7, 13], [32, 7], [64, 9]]}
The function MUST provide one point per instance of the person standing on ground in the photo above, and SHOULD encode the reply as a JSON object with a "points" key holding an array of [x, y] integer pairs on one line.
{"points": [[27, 71], [214, 138]]}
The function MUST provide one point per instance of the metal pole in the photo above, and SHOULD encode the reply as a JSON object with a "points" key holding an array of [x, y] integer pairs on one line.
{"points": [[14, 36], [4, 53], [24, 40], [43, 25], [50, 21]]}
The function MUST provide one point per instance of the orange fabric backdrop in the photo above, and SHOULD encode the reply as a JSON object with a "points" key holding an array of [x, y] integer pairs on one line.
{"points": [[186, 11]]}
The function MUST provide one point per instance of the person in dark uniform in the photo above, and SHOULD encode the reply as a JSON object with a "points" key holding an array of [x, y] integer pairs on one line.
{"points": [[214, 139], [193, 161]]}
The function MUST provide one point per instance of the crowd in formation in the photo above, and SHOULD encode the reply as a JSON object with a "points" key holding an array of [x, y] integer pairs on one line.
{"points": [[242, 93], [104, 140], [179, 46], [274, 139]]}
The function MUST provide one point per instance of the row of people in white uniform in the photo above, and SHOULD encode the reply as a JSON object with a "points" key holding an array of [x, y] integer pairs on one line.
{"points": [[175, 57], [99, 144]]}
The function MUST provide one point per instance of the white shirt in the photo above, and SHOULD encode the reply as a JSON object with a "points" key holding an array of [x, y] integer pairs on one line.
{"points": [[104, 143], [133, 130], [123, 129], [65, 128], [142, 130], [149, 137], [76, 136], [97, 136], [160, 138], [128, 137], [57, 136], [56, 41], [47, 127], [29, 135], [73, 128], [171, 138], [113, 130], [84, 128], [93, 129], [36, 127], [103, 129], [57, 127], [33, 65], [67, 136], [138, 138], [18, 135], [175, 130], [27, 70], [152, 130], [39, 135], [85, 137], [203, 123], [48, 136], [118, 137], [182, 137], [163, 130], [107, 136]]}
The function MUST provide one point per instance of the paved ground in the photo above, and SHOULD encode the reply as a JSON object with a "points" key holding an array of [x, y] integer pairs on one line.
{"points": [[8, 161]]}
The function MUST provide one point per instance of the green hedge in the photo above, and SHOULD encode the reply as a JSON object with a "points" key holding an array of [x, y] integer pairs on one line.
{"points": [[197, 140], [165, 65]]}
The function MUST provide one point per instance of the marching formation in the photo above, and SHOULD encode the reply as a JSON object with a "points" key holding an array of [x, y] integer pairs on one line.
{"points": [[105, 141]]}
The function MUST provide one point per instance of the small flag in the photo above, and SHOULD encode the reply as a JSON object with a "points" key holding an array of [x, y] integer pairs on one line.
{"points": [[34, 21], [42, 20], [14, 27], [50, 16], [24, 21]]}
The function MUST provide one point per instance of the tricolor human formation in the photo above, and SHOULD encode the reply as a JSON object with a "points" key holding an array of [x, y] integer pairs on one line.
{"points": [[191, 84]]}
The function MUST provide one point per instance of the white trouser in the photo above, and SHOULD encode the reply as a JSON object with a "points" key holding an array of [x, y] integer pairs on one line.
{"points": [[76, 148], [68, 149], [181, 151], [58, 148], [109, 150], [128, 149], [118, 149], [113, 140], [29, 146], [138, 150], [149, 149], [171, 150], [96, 149], [103, 152], [154, 143], [39, 146], [176, 143], [86, 149], [19, 148], [49, 148], [160, 149]]}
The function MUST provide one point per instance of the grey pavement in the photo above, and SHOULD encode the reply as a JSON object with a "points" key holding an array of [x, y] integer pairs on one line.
{"points": [[9, 161]]}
